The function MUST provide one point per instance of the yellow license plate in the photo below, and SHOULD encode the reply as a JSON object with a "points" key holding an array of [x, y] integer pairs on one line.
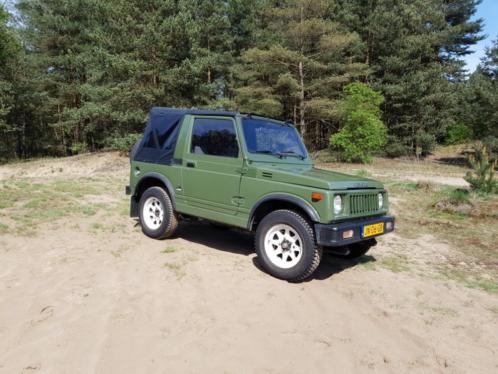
{"points": [[371, 230]]}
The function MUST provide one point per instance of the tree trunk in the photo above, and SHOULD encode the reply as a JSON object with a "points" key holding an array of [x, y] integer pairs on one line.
{"points": [[301, 102], [61, 126], [24, 147], [301, 85]]}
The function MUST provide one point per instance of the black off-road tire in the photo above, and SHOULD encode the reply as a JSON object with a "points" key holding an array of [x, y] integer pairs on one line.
{"points": [[170, 220], [355, 250], [311, 253]]}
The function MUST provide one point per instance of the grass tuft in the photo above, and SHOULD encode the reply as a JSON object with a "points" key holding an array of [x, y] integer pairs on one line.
{"points": [[29, 203], [168, 250], [454, 201], [176, 269]]}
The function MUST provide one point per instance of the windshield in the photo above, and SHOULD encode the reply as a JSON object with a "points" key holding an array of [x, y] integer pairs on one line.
{"points": [[268, 137]]}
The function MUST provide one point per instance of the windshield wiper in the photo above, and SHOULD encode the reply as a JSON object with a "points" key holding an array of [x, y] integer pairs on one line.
{"points": [[267, 152], [280, 154], [290, 153]]}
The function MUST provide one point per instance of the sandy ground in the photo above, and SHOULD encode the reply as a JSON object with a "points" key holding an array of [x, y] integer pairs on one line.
{"points": [[78, 300]]}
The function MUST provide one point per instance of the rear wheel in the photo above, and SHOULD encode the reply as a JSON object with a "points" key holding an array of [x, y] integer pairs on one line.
{"points": [[157, 217], [286, 247]]}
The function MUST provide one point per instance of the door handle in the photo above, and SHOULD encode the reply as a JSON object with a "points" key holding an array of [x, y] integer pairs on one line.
{"points": [[191, 164]]}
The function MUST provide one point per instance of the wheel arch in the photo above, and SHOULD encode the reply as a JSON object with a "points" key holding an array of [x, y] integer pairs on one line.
{"points": [[148, 180], [277, 201]]}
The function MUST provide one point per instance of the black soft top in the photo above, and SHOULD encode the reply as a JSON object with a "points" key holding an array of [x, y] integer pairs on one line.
{"points": [[161, 133]]}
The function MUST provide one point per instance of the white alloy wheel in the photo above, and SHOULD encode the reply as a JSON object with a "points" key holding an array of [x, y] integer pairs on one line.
{"points": [[283, 246], [153, 213]]}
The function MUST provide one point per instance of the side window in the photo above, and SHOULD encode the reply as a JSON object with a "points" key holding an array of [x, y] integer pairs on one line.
{"points": [[215, 137]]}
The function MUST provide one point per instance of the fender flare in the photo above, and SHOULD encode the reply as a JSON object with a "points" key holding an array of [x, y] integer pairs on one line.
{"points": [[306, 207], [163, 179]]}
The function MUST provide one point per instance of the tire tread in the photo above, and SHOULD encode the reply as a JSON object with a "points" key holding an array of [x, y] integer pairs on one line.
{"points": [[317, 250], [172, 218]]}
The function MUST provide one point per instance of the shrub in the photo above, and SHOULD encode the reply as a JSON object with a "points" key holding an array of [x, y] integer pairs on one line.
{"points": [[482, 177], [363, 133], [122, 143], [395, 149], [458, 133], [455, 201], [491, 143], [425, 143], [78, 148]]}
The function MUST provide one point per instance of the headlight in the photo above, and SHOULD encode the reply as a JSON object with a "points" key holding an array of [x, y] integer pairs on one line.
{"points": [[337, 204], [381, 201]]}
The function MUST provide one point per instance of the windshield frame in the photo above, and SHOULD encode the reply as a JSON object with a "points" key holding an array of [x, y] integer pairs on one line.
{"points": [[274, 157]]}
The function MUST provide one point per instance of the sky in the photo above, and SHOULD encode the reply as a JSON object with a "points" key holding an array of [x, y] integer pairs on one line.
{"points": [[488, 10]]}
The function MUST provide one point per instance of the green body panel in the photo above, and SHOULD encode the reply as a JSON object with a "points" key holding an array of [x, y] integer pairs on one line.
{"points": [[227, 190], [213, 183]]}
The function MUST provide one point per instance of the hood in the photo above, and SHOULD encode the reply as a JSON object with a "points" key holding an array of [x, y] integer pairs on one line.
{"points": [[318, 178]]}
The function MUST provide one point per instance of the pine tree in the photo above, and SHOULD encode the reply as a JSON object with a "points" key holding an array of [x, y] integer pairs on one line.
{"points": [[414, 49], [462, 32], [298, 70], [6, 55], [489, 64], [479, 98], [9, 55], [111, 61], [76, 74]]}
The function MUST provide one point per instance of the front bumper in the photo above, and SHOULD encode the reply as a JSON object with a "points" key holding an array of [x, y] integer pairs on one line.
{"points": [[331, 235]]}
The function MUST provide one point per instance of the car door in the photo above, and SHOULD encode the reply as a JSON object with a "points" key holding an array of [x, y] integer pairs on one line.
{"points": [[212, 165]]}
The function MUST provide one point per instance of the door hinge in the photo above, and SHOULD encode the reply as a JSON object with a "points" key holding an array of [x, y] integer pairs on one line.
{"points": [[242, 170]]}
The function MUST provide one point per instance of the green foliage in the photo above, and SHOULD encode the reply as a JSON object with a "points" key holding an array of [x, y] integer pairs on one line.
{"points": [[482, 177], [491, 143], [479, 96], [9, 54], [412, 47], [425, 143], [456, 196], [458, 133], [296, 70], [395, 149], [363, 133], [75, 74], [78, 148], [122, 143]]}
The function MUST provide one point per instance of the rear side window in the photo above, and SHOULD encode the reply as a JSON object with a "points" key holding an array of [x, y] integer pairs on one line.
{"points": [[215, 137], [159, 141]]}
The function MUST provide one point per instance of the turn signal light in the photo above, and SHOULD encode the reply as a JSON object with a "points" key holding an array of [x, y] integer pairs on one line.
{"points": [[316, 196], [347, 234]]}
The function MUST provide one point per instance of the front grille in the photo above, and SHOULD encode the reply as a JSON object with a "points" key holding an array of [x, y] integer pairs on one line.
{"points": [[363, 203]]}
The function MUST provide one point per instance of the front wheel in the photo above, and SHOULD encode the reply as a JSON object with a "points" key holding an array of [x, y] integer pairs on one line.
{"points": [[286, 247]]}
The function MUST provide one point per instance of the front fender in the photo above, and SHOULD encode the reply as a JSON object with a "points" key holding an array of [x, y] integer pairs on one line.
{"points": [[295, 200]]}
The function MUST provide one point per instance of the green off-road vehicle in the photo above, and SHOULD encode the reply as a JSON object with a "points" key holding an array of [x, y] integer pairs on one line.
{"points": [[253, 173]]}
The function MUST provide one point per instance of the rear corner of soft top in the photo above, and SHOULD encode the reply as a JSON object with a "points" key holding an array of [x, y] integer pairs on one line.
{"points": [[160, 136]]}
